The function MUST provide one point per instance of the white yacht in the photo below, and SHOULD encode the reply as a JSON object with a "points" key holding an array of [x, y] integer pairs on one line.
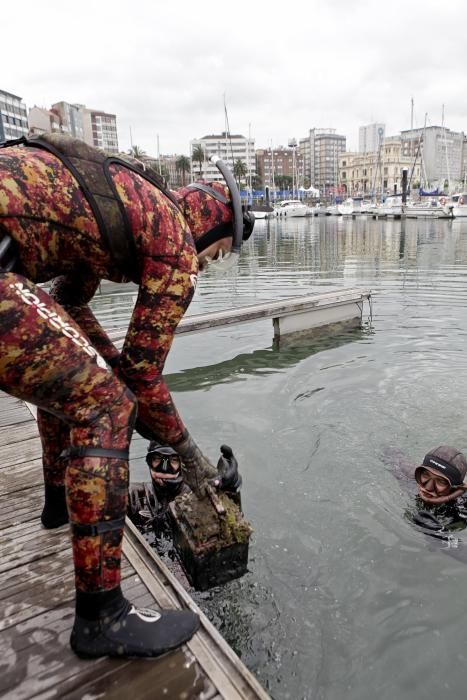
{"points": [[262, 211], [391, 207], [458, 205], [292, 207], [347, 207], [429, 209], [354, 206]]}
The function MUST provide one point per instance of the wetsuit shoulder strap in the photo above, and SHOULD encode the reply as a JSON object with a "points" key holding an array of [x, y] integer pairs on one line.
{"points": [[90, 167]]}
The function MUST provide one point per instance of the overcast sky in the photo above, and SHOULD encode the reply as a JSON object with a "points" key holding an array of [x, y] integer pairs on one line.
{"points": [[284, 67]]}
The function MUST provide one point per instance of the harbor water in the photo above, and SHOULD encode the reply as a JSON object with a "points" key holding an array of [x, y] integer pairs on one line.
{"points": [[344, 599]]}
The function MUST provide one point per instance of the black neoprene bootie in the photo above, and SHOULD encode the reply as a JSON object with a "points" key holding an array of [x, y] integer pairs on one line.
{"points": [[121, 629], [55, 512]]}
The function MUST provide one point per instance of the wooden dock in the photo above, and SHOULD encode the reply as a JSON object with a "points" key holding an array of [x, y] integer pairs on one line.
{"points": [[37, 591]]}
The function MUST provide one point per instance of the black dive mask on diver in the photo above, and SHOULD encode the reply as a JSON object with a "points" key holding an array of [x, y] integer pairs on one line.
{"points": [[163, 460]]}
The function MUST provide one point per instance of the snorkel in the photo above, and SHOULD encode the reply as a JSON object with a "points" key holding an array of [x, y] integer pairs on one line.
{"points": [[217, 220], [236, 204]]}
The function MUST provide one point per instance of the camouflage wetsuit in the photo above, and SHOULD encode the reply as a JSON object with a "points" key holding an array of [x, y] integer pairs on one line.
{"points": [[48, 342]]}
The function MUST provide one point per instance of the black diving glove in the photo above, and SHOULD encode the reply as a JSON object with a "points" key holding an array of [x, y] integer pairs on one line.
{"points": [[196, 468], [227, 467]]}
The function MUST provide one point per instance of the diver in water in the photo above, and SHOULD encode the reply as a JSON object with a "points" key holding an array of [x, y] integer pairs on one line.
{"points": [[148, 502], [441, 503]]}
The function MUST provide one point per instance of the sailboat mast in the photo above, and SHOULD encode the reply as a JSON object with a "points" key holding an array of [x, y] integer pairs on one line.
{"points": [[272, 172], [446, 150]]}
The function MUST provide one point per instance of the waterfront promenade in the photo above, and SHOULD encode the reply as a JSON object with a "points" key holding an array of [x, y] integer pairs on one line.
{"points": [[37, 591]]}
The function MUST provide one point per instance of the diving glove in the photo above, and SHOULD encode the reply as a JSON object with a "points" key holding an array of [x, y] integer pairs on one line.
{"points": [[227, 467], [196, 469]]}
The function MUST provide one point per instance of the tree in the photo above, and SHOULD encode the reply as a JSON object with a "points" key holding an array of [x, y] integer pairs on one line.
{"points": [[240, 169], [198, 157], [256, 182], [283, 181], [137, 152], [183, 166]]}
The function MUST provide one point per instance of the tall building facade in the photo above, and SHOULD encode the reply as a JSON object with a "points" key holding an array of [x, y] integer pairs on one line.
{"points": [[321, 150], [272, 163], [41, 120], [13, 116], [71, 118], [440, 151], [230, 148], [100, 129], [376, 173], [370, 137], [95, 127]]}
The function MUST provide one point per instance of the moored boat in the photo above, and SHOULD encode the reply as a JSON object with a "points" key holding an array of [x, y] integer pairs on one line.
{"points": [[458, 205], [391, 207], [429, 209], [292, 207], [262, 211]]}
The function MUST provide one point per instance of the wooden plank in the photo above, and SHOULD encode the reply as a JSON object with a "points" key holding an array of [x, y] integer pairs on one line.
{"points": [[19, 453], [18, 432], [50, 593], [18, 477], [217, 659], [177, 676], [12, 411]]}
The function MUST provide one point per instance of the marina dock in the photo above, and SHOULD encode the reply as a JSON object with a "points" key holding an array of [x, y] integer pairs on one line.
{"points": [[37, 592], [290, 316]]}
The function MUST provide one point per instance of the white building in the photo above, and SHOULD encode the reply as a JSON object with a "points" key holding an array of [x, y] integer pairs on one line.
{"points": [[43, 120], [100, 129], [370, 137], [13, 116], [439, 149], [93, 126], [231, 148], [71, 118]]}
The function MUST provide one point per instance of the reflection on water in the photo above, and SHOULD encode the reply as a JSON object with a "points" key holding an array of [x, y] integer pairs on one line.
{"points": [[344, 600]]}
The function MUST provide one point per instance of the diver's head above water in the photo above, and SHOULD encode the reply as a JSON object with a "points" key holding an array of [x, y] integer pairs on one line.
{"points": [[440, 478]]}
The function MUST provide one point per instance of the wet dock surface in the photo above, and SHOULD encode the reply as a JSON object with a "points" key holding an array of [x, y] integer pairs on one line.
{"points": [[37, 601]]}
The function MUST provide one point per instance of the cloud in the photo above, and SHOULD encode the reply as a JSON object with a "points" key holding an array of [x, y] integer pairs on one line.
{"points": [[164, 69]]}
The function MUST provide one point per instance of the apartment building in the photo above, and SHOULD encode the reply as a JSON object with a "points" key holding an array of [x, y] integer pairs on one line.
{"points": [[71, 118], [370, 137], [441, 152], [230, 147], [41, 120], [321, 150], [13, 116], [100, 129], [95, 127], [376, 173], [272, 163]]}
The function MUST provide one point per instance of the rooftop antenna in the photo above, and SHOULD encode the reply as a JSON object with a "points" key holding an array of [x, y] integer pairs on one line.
{"points": [[131, 139], [411, 114]]}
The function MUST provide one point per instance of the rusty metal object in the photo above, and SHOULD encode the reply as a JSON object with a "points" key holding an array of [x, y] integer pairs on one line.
{"points": [[211, 537]]}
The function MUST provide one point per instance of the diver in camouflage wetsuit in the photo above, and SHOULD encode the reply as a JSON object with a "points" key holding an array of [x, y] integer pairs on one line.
{"points": [[54, 354]]}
